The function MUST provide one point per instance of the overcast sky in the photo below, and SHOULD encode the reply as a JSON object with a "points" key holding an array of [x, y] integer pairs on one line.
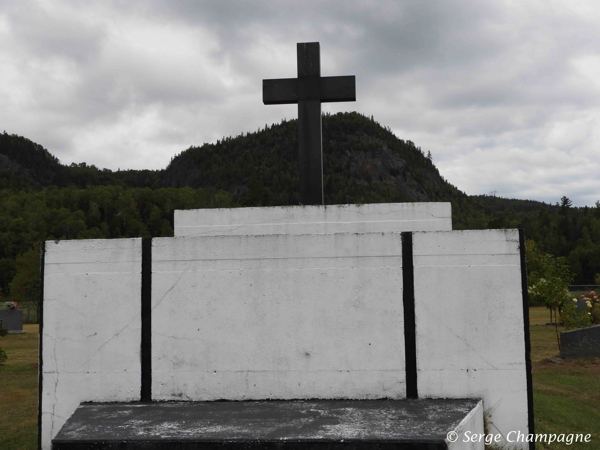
{"points": [[505, 94]]}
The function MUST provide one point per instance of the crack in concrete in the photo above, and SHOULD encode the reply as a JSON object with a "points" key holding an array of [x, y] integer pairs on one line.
{"points": [[55, 387], [68, 306], [172, 287], [132, 320], [443, 323], [105, 343]]}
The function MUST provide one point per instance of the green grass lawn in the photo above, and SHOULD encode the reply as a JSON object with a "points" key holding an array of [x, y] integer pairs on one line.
{"points": [[566, 393], [19, 390]]}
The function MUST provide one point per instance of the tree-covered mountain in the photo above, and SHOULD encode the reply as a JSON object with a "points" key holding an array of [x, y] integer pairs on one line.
{"points": [[25, 165], [364, 162]]}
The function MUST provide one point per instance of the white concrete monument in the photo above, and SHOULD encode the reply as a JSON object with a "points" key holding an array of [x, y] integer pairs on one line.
{"points": [[357, 302]]}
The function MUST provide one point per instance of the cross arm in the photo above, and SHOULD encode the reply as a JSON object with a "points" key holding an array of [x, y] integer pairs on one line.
{"points": [[326, 89], [280, 91], [338, 89]]}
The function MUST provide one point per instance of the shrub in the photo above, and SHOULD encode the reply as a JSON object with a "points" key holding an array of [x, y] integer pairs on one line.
{"points": [[3, 331], [3, 356], [549, 278], [590, 316], [573, 319]]}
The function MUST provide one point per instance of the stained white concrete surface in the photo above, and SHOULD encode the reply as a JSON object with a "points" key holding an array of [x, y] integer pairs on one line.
{"points": [[292, 220], [278, 317], [469, 432], [91, 332], [288, 316], [469, 321]]}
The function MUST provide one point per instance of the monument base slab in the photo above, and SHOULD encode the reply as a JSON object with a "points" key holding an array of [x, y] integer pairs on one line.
{"points": [[301, 424]]}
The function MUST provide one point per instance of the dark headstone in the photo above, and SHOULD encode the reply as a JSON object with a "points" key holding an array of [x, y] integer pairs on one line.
{"points": [[312, 424], [580, 343], [12, 320]]}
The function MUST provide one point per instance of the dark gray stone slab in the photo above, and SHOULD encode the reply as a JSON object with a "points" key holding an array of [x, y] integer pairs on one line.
{"points": [[322, 424], [12, 320], [580, 343]]}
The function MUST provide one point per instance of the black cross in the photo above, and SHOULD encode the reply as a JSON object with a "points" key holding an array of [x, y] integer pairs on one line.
{"points": [[309, 90]]}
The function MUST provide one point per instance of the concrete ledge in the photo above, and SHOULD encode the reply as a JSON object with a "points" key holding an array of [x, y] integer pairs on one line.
{"points": [[311, 424], [329, 219]]}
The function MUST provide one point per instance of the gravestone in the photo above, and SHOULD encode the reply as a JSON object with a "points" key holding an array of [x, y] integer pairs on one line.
{"points": [[580, 343], [12, 320]]}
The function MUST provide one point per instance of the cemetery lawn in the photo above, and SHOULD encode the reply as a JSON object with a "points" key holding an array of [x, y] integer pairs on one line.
{"points": [[19, 390], [566, 393]]}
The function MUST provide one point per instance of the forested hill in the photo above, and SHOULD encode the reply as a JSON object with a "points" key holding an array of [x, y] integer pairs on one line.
{"points": [[25, 165], [363, 162]]}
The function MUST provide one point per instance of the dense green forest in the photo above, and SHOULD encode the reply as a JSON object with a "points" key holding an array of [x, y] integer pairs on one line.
{"points": [[364, 162]]}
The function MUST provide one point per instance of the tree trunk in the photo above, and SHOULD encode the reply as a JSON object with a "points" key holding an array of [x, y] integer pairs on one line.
{"points": [[556, 327]]}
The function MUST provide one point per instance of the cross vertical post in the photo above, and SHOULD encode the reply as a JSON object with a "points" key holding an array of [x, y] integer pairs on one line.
{"points": [[310, 125], [308, 91]]}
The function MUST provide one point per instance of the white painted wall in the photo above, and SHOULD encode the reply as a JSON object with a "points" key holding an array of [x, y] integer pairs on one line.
{"points": [[470, 426], [286, 316], [292, 220], [469, 321], [91, 334], [274, 316]]}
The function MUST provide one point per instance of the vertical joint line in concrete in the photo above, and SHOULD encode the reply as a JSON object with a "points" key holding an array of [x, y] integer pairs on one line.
{"points": [[530, 417], [146, 345], [408, 299], [41, 353]]}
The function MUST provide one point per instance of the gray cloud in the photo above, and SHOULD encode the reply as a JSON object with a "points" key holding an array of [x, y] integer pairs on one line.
{"points": [[47, 36], [504, 94]]}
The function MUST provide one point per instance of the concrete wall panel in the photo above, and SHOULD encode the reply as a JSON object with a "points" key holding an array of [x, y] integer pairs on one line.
{"points": [[469, 321], [292, 220], [258, 317], [91, 330]]}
